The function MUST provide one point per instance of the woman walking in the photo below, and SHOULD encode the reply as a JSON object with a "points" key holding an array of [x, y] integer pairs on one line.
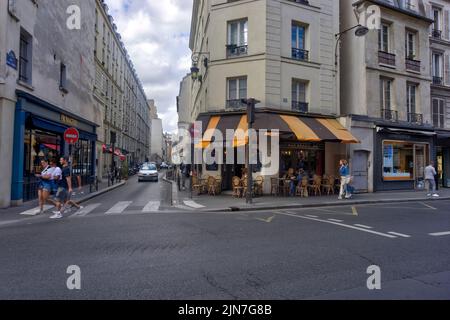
{"points": [[344, 172], [45, 185]]}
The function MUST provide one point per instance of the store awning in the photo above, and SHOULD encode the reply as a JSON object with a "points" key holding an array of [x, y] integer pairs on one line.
{"points": [[305, 129]]}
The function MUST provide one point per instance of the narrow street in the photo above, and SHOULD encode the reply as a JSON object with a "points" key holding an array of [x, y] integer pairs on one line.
{"points": [[126, 252]]}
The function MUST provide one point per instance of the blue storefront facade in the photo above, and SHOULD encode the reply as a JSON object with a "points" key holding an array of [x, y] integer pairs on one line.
{"points": [[38, 134]]}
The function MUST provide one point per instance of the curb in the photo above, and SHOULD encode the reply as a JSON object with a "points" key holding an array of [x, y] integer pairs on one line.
{"points": [[324, 204], [99, 193]]}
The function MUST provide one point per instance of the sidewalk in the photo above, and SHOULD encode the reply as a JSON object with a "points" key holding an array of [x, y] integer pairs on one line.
{"points": [[13, 214], [225, 202]]}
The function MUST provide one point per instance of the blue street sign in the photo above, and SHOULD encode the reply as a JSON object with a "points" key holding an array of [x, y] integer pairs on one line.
{"points": [[11, 59]]}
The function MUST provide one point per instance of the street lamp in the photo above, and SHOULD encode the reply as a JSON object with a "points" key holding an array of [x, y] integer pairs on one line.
{"points": [[360, 31], [195, 59]]}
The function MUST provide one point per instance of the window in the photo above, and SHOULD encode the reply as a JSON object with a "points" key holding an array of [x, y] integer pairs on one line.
{"points": [[237, 37], [298, 38], [299, 96], [437, 19], [237, 90], [383, 38], [25, 58], [63, 78], [398, 161], [411, 98], [385, 91], [410, 45], [437, 68], [438, 113]]}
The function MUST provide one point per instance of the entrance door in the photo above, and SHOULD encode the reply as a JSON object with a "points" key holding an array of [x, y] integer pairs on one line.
{"points": [[360, 171]]}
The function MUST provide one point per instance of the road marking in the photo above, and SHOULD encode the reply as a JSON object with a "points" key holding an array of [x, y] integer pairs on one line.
{"points": [[193, 204], [119, 207], [152, 206], [362, 226], [399, 234], [35, 211], [336, 220], [338, 224], [331, 211], [355, 212], [311, 216], [85, 211], [269, 220], [440, 234], [428, 206]]}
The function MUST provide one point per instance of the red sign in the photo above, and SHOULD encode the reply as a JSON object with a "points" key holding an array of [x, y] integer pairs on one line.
{"points": [[71, 136]]}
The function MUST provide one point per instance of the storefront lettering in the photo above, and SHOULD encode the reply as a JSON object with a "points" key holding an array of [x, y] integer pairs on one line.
{"points": [[69, 121]]}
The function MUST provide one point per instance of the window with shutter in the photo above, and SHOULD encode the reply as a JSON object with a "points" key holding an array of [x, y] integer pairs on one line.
{"points": [[447, 69], [446, 31]]}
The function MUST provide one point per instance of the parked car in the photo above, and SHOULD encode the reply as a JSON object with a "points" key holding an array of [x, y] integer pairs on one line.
{"points": [[148, 172], [164, 166]]}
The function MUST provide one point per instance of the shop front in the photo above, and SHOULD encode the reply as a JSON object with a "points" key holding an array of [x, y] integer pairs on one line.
{"points": [[401, 156], [443, 158], [38, 134]]}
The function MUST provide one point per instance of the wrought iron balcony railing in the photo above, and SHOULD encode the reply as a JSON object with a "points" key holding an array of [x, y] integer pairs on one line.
{"points": [[437, 34], [234, 50], [386, 58], [302, 107], [235, 104], [390, 115], [416, 118], [437, 81], [412, 65], [300, 54]]}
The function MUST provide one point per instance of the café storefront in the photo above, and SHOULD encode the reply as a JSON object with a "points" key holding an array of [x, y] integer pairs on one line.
{"points": [[38, 134]]}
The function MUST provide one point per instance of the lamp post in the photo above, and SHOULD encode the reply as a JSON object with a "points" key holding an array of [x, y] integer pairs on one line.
{"points": [[251, 103], [195, 59]]}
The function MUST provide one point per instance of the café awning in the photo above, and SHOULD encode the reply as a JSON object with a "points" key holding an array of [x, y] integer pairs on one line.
{"points": [[305, 129]]}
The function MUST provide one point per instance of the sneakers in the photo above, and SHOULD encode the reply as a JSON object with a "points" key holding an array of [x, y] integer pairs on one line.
{"points": [[435, 195], [57, 216], [429, 195], [340, 198]]}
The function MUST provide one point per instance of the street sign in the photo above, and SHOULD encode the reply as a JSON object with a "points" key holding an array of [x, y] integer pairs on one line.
{"points": [[71, 136]]}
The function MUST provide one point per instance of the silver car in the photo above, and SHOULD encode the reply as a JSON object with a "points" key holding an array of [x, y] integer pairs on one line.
{"points": [[148, 172]]}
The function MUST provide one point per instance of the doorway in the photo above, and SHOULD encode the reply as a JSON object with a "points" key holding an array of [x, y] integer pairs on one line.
{"points": [[360, 171]]}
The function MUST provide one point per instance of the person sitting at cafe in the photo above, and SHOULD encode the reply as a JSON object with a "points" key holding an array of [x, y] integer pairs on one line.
{"points": [[293, 182]]}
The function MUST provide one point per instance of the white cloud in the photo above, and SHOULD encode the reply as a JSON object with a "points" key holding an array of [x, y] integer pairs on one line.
{"points": [[156, 35]]}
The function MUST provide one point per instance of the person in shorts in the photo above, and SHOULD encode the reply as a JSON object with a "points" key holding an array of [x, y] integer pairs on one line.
{"points": [[45, 186], [64, 188]]}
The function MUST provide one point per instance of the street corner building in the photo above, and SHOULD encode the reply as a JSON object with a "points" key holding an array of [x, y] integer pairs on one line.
{"points": [[47, 84], [334, 85]]}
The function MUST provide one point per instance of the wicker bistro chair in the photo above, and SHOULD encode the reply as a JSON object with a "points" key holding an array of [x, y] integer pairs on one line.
{"points": [[274, 187], [316, 186], [328, 187], [196, 186], [218, 184], [237, 187], [302, 188], [212, 185], [259, 184]]}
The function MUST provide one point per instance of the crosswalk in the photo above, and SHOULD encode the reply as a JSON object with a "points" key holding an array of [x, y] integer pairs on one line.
{"points": [[121, 207]]}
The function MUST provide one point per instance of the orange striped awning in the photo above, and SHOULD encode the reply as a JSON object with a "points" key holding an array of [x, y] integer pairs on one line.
{"points": [[305, 129]]}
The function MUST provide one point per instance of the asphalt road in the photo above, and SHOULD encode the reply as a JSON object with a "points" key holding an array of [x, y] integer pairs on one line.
{"points": [[134, 253]]}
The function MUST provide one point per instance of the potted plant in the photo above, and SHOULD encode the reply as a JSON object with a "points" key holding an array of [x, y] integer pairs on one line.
{"points": [[125, 170]]}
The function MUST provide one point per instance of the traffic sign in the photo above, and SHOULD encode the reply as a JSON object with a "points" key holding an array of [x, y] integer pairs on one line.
{"points": [[71, 136]]}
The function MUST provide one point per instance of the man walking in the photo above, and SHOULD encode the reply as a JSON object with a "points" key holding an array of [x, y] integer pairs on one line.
{"points": [[64, 189], [430, 173]]}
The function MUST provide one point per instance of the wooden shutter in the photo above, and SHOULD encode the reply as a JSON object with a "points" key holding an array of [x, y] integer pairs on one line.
{"points": [[446, 30], [447, 69]]}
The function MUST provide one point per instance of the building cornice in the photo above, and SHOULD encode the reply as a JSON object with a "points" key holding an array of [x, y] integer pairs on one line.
{"points": [[194, 22]]}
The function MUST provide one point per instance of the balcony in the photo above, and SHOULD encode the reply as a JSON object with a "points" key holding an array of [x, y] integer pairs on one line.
{"points": [[234, 50], [438, 81], [436, 34], [386, 58], [235, 104], [390, 115], [415, 118], [300, 54], [302, 107], [412, 65]]}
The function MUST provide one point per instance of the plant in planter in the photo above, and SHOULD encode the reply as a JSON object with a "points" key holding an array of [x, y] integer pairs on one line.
{"points": [[125, 170]]}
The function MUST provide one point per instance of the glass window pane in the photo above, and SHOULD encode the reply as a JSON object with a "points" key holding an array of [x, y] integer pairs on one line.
{"points": [[233, 33], [398, 161], [242, 88], [232, 89], [301, 37], [244, 33], [294, 36]]}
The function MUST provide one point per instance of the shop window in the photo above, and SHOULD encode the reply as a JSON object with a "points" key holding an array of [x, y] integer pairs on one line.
{"points": [[404, 161]]}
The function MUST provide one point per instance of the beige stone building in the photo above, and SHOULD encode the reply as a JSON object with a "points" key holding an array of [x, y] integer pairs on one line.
{"points": [[281, 53], [385, 93], [120, 96]]}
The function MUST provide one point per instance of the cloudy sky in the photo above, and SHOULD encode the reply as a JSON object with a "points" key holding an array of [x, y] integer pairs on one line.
{"points": [[156, 35]]}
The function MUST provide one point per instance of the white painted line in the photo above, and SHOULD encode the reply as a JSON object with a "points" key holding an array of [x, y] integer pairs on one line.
{"points": [[35, 211], [338, 224], [336, 220], [119, 207], [440, 234], [311, 216], [428, 206], [399, 234], [152, 206], [193, 204], [85, 211], [362, 226]]}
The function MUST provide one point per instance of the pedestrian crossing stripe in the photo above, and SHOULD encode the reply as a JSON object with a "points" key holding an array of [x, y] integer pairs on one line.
{"points": [[193, 204], [85, 211], [119, 207], [152, 206], [35, 211]]}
